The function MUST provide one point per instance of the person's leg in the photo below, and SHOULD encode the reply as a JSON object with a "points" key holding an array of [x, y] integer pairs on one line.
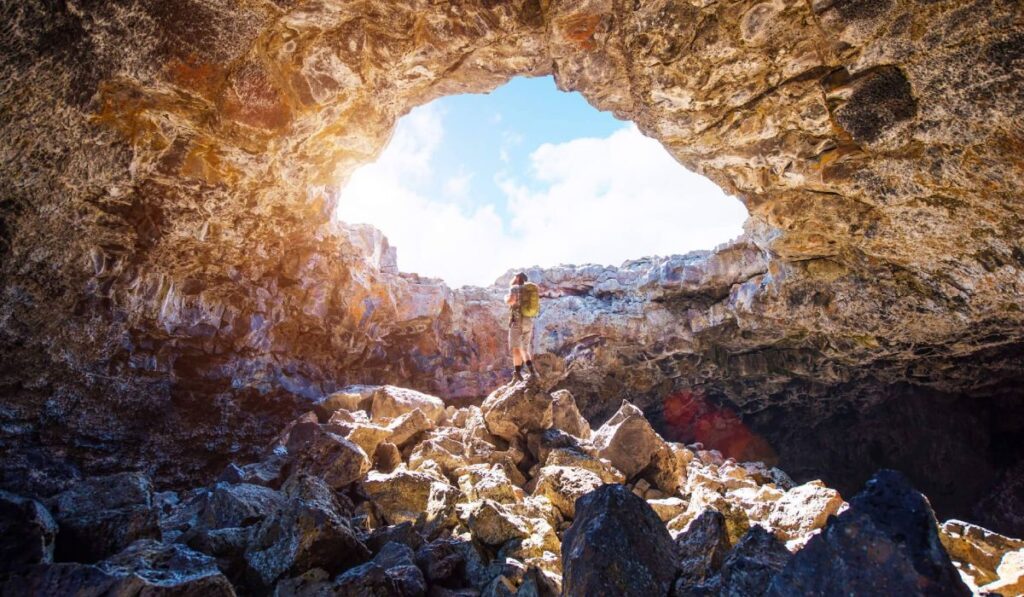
{"points": [[515, 344], [527, 339]]}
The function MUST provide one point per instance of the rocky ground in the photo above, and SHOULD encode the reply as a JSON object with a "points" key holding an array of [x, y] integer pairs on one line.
{"points": [[387, 491]]}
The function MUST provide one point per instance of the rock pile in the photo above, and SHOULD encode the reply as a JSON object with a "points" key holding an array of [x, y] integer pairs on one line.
{"points": [[385, 491]]}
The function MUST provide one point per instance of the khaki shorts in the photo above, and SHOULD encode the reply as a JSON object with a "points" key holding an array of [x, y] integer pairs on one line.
{"points": [[520, 334]]}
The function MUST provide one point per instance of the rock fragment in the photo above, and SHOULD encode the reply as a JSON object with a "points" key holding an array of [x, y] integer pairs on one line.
{"points": [[617, 545]]}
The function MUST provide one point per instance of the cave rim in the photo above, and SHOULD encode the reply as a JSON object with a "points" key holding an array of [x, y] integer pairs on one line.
{"points": [[623, 124]]}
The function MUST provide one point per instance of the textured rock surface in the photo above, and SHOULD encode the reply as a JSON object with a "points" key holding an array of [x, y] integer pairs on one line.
{"points": [[887, 542], [490, 518], [171, 284], [617, 545]]}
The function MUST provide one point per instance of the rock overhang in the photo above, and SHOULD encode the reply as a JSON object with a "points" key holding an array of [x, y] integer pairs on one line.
{"points": [[177, 238]]}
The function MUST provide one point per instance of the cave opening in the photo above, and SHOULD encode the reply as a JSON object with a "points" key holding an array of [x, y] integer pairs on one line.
{"points": [[470, 186]]}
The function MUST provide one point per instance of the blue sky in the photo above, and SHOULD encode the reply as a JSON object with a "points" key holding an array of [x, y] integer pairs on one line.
{"points": [[473, 185]]}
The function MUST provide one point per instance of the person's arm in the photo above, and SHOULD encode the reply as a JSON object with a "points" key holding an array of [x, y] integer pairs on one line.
{"points": [[512, 297]]}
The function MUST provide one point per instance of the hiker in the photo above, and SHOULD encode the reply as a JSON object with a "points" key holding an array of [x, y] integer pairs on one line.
{"points": [[523, 299]]}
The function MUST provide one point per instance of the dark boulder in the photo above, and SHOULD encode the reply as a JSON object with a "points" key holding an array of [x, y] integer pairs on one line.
{"points": [[27, 533], [750, 566], [99, 517], [617, 545], [307, 532], [887, 543], [701, 549], [145, 568]]}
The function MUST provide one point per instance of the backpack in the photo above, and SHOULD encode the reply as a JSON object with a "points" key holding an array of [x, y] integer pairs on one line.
{"points": [[529, 300]]}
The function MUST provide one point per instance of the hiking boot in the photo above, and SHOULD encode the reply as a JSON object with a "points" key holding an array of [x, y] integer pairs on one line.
{"points": [[517, 377]]}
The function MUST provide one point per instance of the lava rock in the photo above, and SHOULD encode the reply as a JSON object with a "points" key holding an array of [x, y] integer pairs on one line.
{"points": [[617, 545], [701, 549], [99, 517], [317, 451], [564, 485], [27, 533], [749, 566], [390, 402], [146, 567], [627, 440], [886, 543], [515, 409], [308, 532], [566, 415]]}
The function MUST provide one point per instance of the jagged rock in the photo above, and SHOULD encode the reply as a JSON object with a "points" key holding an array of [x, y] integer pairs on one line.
{"points": [[237, 505], [736, 521], [146, 567], [563, 485], [887, 542], [403, 533], [307, 532], [1010, 575], [489, 481], [749, 566], [392, 572], [493, 523], [155, 567], [27, 533], [390, 402], [452, 562], [317, 451], [349, 399], [701, 549], [405, 427], [410, 496], [667, 508], [266, 472], [540, 443], [100, 517], [617, 545], [976, 551], [566, 416], [628, 441], [803, 509], [514, 410], [365, 435], [574, 458]]}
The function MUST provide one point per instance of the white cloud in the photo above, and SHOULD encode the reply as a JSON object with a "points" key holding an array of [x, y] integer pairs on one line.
{"points": [[599, 200], [457, 187]]}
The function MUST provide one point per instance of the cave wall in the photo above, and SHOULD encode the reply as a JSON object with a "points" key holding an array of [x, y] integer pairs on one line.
{"points": [[173, 288]]}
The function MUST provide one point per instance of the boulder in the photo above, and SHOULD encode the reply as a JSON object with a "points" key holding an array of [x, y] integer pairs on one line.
{"points": [[101, 516], [267, 472], [403, 495], [976, 551], [390, 402], [566, 416], [886, 543], [452, 562], [407, 426], [617, 546], [701, 549], [151, 567], [350, 399], [321, 453], [750, 566], [514, 410], [27, 533], [391, 572], [1010, 575], [577, 458], [563, 485], [307, 532], [667, 508], [237, 505], [493, 523], [628, 441], [489, 481], [803, 509]]}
